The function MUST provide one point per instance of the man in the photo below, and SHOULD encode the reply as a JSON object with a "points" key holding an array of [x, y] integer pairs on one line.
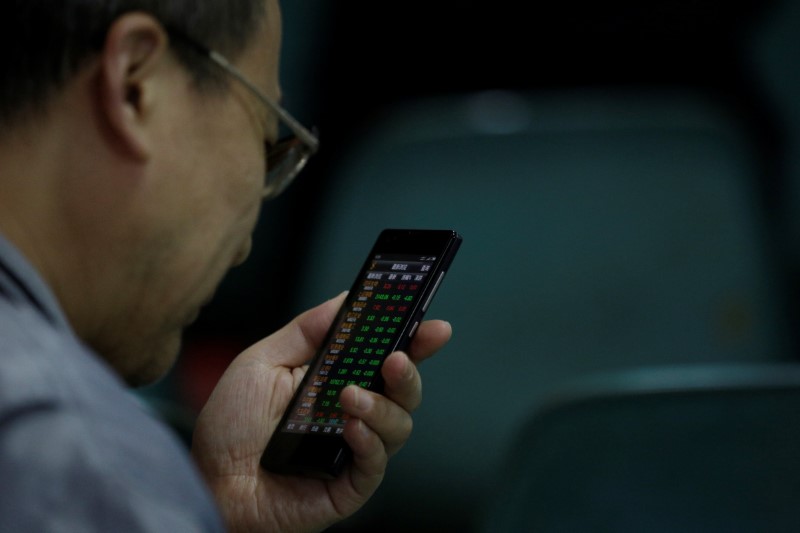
{"points": [[131, 176]]}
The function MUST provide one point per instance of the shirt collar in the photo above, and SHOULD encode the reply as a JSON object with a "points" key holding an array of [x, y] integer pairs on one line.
{"points": [[21, 283]]}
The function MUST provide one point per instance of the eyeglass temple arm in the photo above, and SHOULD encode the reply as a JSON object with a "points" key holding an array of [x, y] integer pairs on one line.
{"points": [[298, 129]]}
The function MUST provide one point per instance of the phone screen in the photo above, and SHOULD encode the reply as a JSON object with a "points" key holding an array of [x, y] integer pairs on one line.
{"points": [[373, 318], [381, 313]]}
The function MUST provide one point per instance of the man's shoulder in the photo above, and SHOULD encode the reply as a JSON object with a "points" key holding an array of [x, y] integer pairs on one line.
{"points": [[77, 445]]}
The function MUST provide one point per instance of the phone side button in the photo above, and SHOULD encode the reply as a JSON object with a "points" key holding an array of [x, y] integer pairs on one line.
{"points": [[413, 329], [433, 292]]}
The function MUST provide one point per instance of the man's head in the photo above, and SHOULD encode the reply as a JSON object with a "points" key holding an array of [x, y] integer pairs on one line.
{"points": [[47, 41], [131, 167]]}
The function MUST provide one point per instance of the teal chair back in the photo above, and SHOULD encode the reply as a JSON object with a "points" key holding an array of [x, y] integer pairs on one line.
{"points": [[708, 449]]}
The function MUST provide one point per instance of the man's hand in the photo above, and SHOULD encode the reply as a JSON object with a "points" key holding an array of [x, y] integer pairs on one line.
{"points": [[247, 404]]}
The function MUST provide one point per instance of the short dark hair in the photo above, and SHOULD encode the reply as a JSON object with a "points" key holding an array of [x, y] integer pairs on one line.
{"points": [[44, 42]]}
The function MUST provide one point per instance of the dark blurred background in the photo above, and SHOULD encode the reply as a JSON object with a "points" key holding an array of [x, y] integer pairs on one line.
{"points": [[345, 65], [625, 175]]}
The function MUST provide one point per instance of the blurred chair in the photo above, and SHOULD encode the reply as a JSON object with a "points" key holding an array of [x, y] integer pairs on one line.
{"points": [[601, 230], [691, 449], [773, 51]]}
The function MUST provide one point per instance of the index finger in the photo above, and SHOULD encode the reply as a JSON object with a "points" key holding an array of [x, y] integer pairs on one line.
{"points": [[295, 343], [431, 336]]}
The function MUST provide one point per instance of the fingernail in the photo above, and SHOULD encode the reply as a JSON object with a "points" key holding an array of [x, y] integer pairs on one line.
{"points": [[363, 401], [408, 371]]}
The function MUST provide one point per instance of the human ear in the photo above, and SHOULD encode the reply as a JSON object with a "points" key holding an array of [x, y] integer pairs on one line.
{"points": [[133, 52]]}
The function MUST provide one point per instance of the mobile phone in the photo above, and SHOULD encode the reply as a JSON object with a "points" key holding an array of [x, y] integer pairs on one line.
{"points": [[380, 315]]}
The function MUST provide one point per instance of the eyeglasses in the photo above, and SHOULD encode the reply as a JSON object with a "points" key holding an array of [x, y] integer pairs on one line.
{"points": [[286, 157]]}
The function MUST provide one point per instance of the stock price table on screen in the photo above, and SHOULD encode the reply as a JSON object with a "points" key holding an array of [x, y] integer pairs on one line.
{"points": [[366, 332]]}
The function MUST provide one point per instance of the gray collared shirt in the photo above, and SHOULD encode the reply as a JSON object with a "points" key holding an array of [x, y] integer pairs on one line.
{"points": [[78, 452]]}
